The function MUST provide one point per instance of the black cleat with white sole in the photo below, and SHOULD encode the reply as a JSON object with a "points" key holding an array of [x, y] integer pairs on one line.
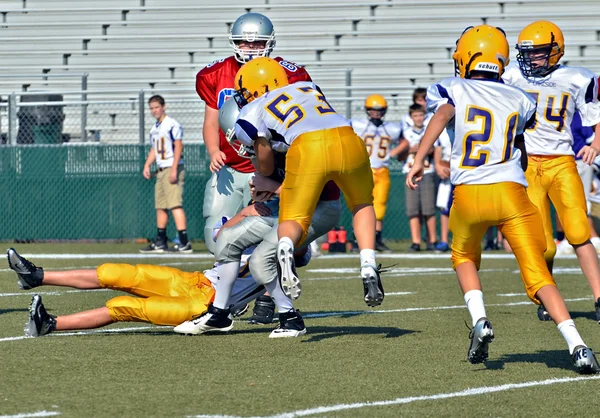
{"points": [[373, 288], [29, 274], [291, 324], [40, 321], [481, 335]]}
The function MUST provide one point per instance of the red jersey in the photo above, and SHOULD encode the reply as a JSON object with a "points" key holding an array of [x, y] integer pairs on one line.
{"points": [[215, 84]]}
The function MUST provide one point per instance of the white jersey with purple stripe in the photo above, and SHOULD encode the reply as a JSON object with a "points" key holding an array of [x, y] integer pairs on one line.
{"points": [[380, 140], [559, 94], [289, 112], [488, 116], [162, 137]]}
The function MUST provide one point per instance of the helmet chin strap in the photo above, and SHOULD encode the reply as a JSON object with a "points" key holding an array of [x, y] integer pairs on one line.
{"points": [[377, 122]]}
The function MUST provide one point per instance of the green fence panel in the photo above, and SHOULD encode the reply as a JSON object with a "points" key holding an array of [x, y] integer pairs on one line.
{"points": [[96, 191]]}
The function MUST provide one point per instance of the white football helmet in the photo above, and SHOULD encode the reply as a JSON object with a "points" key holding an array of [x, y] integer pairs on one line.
{"points": [[228, 114], [252, 27]]}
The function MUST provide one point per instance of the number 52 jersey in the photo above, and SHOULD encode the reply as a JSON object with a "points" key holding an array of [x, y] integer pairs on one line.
{"points": [[488, 117]]}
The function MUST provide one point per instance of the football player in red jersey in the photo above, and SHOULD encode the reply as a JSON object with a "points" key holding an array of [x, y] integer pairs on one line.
{"points": [[227, 191]]}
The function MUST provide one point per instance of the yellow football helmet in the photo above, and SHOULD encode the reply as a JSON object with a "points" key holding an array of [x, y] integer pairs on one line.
{"points": [[481, 48], [256, 78], [540, 46], [376, 102]]}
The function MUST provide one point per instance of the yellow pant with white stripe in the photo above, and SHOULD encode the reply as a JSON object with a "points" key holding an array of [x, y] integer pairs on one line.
{"points": [[557, 178], [168, 296], [314, 158], [505, 205], [381, 191]]}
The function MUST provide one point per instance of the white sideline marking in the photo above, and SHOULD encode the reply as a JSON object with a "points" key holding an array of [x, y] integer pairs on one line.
{"points": [[509, 295], [201, 256], [400, 293], [308, 315], [68, 334], [431, 308], [560, 270], [400, 272], [410, 399], [208, 256], [54, 293], [32, 414]]}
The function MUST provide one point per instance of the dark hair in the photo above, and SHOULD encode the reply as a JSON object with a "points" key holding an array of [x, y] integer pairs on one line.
{"points": [[157, 98], [484, 74], [419, 92], [415, 108]]}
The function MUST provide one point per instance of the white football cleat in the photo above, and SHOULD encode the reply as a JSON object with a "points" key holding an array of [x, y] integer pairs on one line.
{"points": [[288, 279], [213, 320]]}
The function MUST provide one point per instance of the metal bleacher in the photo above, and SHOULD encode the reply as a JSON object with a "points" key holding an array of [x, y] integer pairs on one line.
{"points": [[391, 46]]}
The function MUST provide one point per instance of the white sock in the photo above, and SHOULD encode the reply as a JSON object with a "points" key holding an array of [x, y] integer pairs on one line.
{"points": [[227, 275], [474, 301], [283, 303], [367, 257], [570, 334]]}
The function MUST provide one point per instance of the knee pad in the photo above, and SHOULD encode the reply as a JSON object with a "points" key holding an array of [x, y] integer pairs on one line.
{"points": [[228, 246], [576, 226], [116, 275], [126, 308], [380, 209]]}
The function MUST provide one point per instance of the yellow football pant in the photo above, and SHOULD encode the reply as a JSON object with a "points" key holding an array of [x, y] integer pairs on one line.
{"points": [[505, 205], [314, 158], [168, 296], [381, 191], [557, 177]]}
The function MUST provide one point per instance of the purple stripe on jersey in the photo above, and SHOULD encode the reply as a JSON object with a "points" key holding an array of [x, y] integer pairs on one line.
{"points": [[248, 128], [589, 93], [444, 93]]}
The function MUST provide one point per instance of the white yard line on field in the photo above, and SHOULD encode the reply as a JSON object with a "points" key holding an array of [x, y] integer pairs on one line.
{"points": [[32, 414], [54, 293], [208, 256], [484, 390], [307, 315]]}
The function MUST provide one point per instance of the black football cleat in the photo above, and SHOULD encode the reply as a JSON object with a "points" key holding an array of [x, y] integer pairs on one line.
{"points": [[291, 324], [372, 286], [40, 321], [29, 275], [543, 314], [264, 309], [481, 335], [584, 360], [212, 320]]}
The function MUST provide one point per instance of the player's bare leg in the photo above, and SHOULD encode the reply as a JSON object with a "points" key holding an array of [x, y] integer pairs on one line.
{"points": [[94, 318], [588, 260], [79, 279]]}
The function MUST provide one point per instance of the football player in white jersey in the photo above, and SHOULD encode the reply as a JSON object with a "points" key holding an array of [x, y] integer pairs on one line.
{"points": [[382, 139], [485, 120], [321, 147], [560, 91], [166, 138]]}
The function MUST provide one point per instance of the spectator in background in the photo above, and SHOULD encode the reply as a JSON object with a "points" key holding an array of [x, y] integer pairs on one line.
{"points": [[441, 157], [420, 203], [167, 151], [419, 98], [381, 138]]}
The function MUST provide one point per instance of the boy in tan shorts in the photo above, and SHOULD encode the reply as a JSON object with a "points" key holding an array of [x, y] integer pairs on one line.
{"points": [[167, 151]]}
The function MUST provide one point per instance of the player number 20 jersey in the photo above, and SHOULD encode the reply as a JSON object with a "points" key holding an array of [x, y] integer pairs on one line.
{"points": [[488, 116], [290, 111], [379, 140]]}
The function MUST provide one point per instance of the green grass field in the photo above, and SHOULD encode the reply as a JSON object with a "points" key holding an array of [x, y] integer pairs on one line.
{"points": [[404, 358]]}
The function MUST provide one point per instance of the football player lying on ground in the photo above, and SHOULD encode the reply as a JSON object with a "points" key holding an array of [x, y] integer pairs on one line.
{"points": [[167, 296], [250, 231], [488, 161]]}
